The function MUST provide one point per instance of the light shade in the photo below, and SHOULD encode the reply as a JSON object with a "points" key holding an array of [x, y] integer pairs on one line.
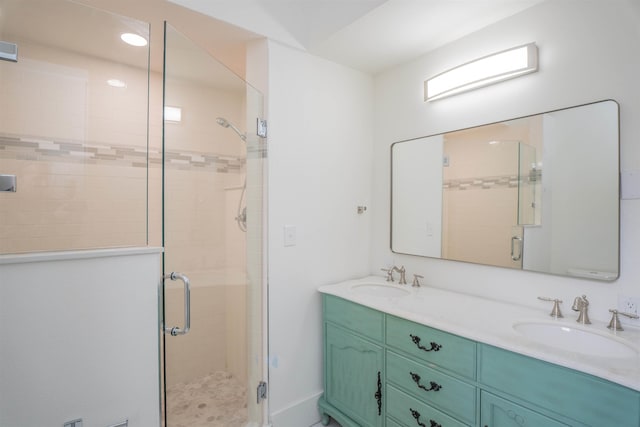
{"points": [[482, 72]]}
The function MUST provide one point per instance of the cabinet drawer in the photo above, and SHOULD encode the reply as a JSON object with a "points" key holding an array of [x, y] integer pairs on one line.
{"points": [[410, 412], [433, 387], [356, 317], [497, 412], [575, 395], [431, 345]]}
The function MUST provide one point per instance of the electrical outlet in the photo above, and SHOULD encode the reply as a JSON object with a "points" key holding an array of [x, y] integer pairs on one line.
{"points": [[629, 305]]}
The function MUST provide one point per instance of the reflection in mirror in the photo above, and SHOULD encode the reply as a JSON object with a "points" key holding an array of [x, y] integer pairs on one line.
{"points": [[539, 193]]}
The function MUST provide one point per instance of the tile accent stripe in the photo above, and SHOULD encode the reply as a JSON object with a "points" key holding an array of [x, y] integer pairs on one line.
{"points": [[487, 182], [49, 150]]}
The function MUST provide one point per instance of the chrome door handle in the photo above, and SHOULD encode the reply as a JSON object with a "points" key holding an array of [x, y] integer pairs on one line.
{"points": [[187, 305], [513, 256]]}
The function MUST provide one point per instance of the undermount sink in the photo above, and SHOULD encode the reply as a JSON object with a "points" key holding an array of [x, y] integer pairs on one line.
{"points": [[379, 290], [578, 340]]}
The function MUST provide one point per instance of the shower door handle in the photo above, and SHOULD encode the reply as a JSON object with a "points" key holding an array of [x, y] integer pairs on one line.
{"points": [[513, 254], [187, 305]]}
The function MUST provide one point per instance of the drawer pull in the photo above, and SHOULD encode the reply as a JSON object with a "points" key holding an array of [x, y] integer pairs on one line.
{"points": [[416, 415], [416, 340], [416, 379], [378, 395]]}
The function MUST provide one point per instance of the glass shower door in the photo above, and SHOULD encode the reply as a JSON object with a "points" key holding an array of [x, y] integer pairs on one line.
{"points": [[212, 234]]}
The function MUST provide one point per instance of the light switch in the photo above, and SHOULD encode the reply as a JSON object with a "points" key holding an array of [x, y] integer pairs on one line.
{"points": [[289, 235]]}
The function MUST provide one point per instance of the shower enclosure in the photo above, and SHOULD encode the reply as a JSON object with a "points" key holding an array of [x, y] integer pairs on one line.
{"points": [[98, 168], [212, 228]]}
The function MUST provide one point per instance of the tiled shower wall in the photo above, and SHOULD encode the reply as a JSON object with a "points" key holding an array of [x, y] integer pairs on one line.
{"points": [[79, 149], [202, 239], [480, 198]]}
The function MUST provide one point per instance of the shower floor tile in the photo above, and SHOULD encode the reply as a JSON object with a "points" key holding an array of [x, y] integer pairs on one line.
{"points": [[215, 400]]}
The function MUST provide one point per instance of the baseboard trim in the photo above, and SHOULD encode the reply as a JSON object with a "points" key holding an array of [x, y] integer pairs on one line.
{"points": [[304, 412]]}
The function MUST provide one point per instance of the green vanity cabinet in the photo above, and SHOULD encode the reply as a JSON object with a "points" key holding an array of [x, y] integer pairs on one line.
{"points": [[432, 346], [385, 371], [354, 363], [409, 411], [565, 394], [498, 412], [431, 386]]}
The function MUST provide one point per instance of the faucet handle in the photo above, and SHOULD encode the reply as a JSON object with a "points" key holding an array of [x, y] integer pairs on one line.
{"points": [[402, 271], [614, 323], [416, 282], [389, 272], [555, 311]]}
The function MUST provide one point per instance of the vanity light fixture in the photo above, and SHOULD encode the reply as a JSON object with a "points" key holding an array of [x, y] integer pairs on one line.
{"points": [[133, 39], [173, 114], [485, 71]]}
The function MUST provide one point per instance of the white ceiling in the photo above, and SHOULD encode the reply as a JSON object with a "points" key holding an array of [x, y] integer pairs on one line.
{"points": [[368, 35]]}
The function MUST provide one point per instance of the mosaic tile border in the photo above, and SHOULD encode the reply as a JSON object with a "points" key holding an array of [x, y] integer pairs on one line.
{"points": [[489, 182], [20, 147]]}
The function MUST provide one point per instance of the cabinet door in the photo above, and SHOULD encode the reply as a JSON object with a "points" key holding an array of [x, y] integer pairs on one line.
{"points": [[497, 412], [353, 370]]}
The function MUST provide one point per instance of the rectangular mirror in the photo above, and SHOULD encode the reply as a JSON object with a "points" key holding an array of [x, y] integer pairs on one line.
{"points": [[538, 193]]}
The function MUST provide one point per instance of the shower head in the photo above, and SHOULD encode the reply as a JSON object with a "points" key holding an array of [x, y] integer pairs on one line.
{"points": [[226, 124]]}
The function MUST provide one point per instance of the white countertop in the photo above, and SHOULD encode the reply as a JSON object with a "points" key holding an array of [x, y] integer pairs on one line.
{"points": [[491, 322]]}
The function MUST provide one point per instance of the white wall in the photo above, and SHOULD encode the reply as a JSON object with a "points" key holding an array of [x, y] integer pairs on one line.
{"points": [[80, 338], [320, 117], [588, 52], [417, 183]]}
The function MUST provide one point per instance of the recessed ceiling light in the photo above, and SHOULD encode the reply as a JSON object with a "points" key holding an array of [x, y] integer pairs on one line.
{"points": [[173, 114], [116, 83], [133, 39]]}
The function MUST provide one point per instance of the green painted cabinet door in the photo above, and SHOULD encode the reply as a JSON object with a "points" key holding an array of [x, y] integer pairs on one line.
{"points": [[354, 377], [497, 412]]}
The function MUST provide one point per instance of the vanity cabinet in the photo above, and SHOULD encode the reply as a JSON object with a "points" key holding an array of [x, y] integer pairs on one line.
{"points": [[354, 376], [561, 392], [498, 412], [354, 364], [385, 371], [429, 375]]}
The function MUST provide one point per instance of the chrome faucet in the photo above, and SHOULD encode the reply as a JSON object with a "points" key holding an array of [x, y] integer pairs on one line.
{"points": [[402, 271], [581, 304]]}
